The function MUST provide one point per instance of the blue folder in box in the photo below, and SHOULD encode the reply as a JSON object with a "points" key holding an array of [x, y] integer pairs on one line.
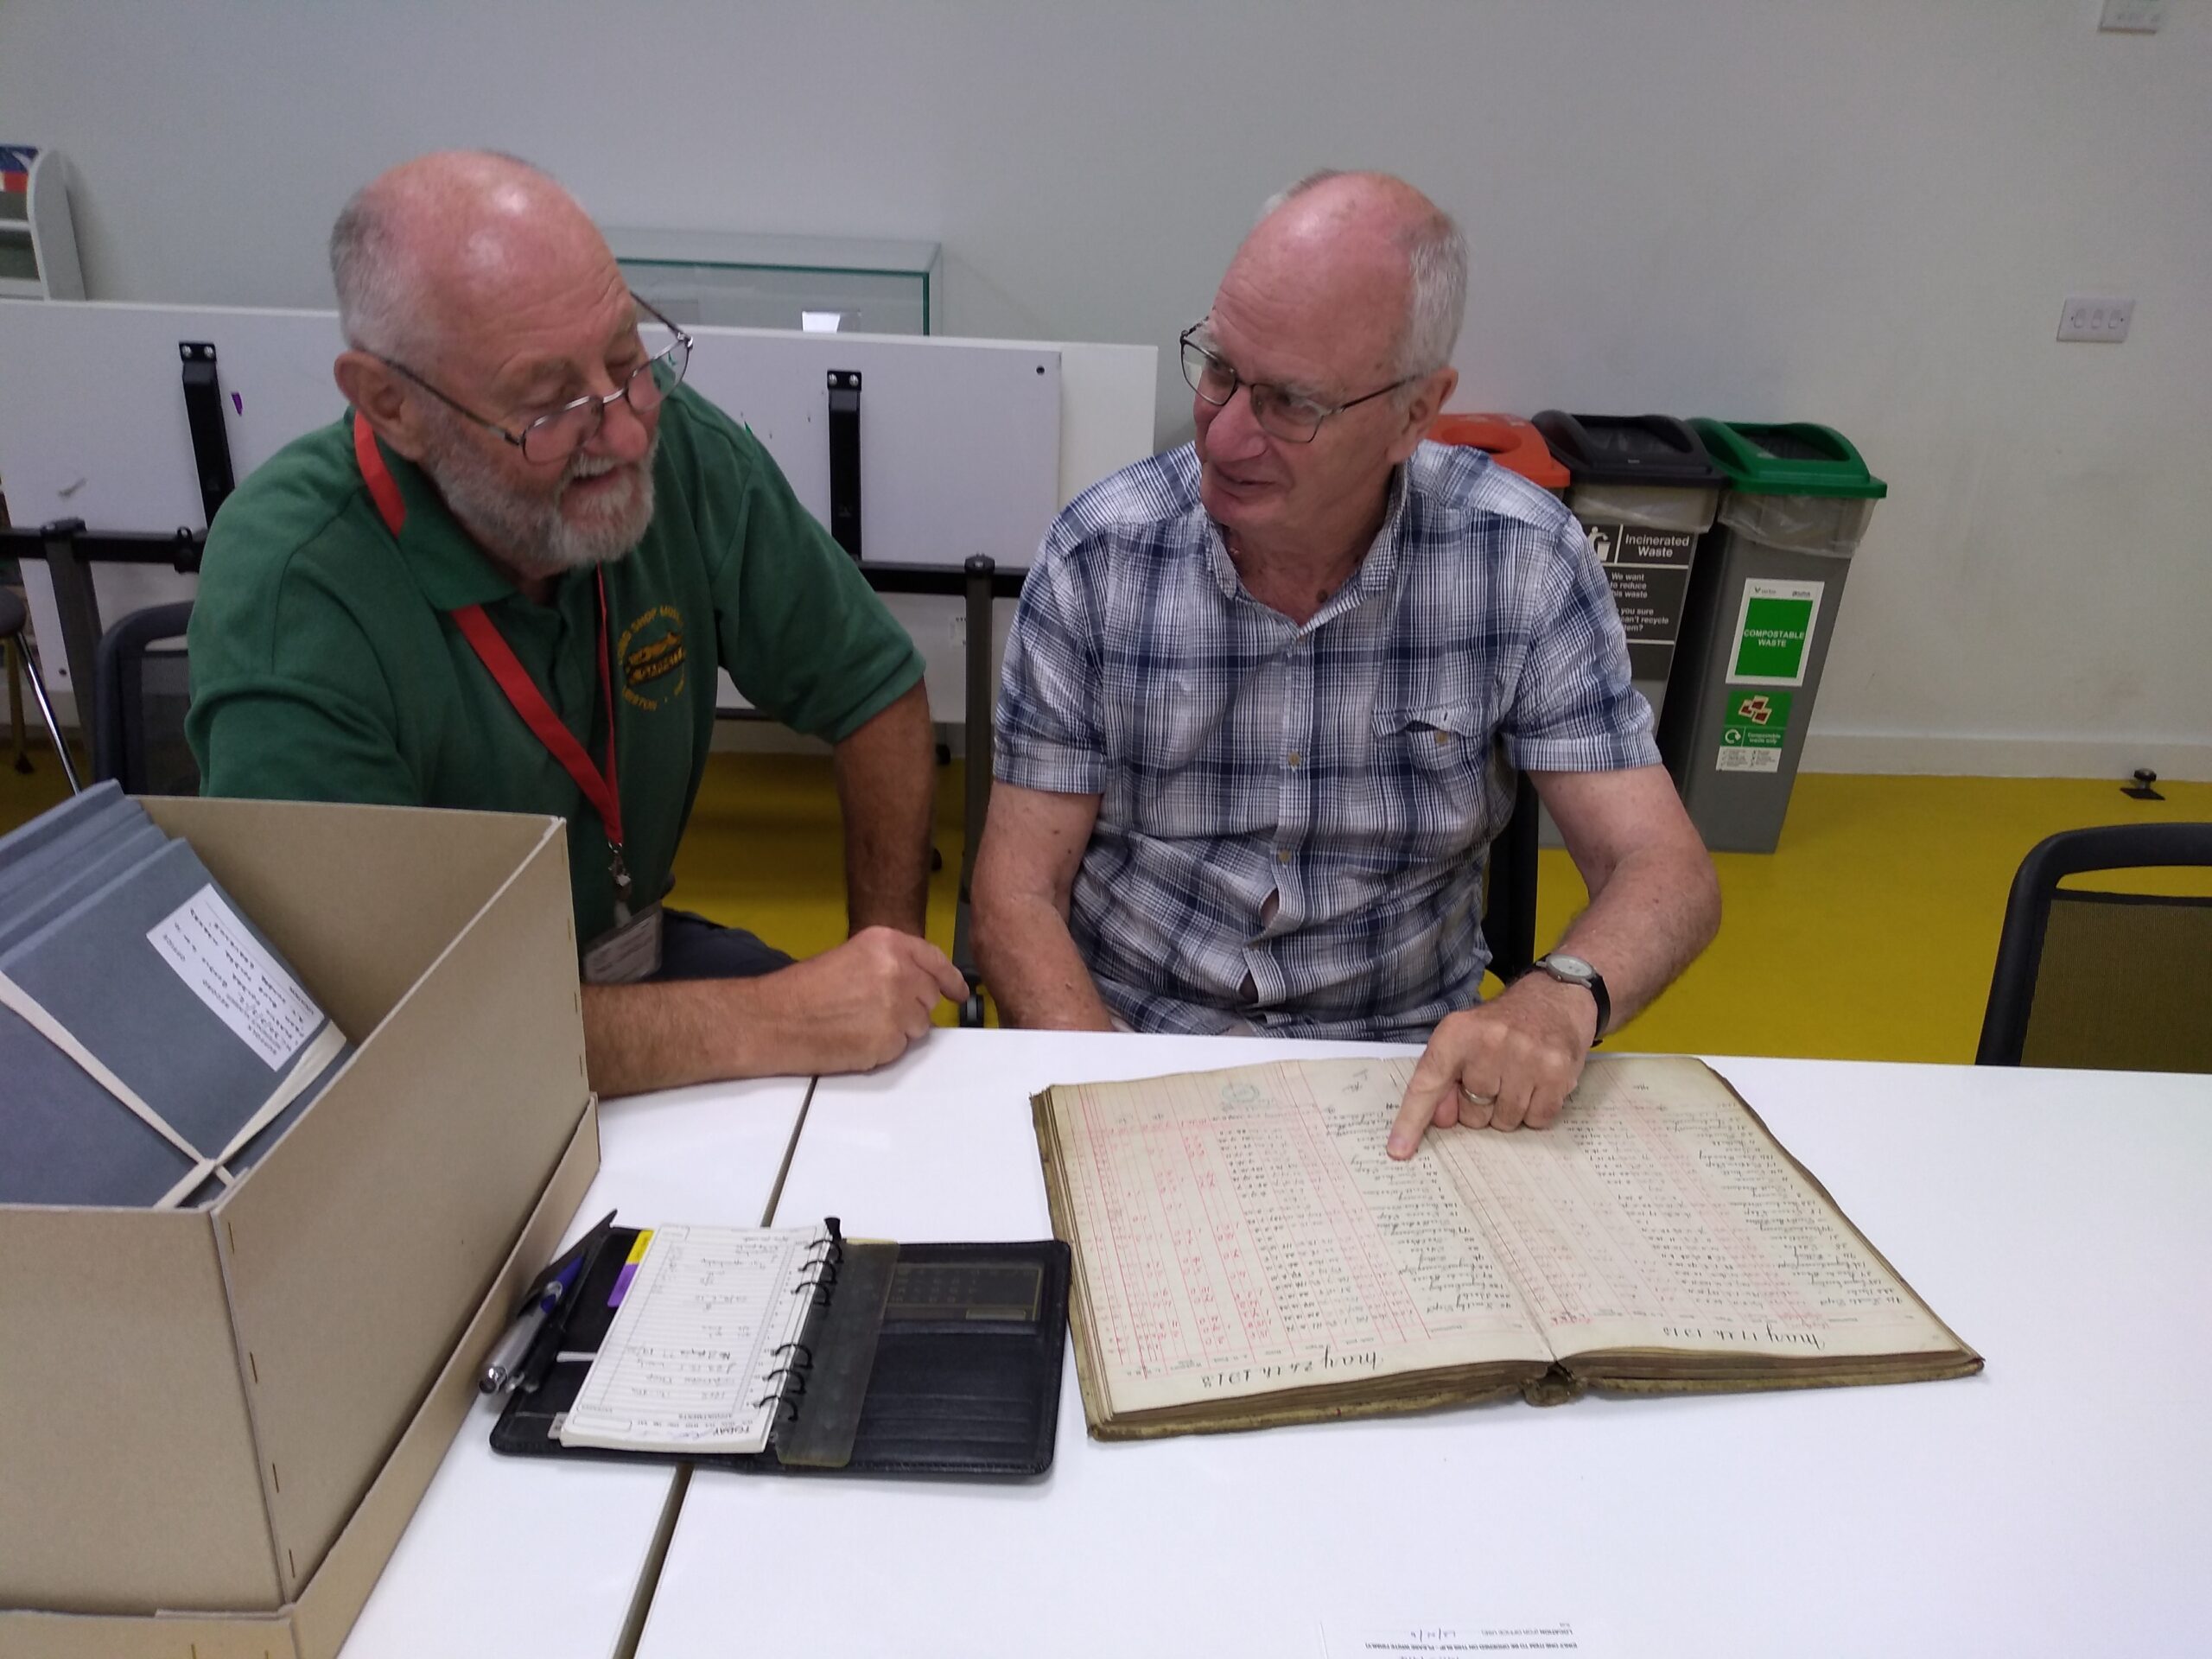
{"points": [[172, 995], [58, 823], [33, 867]]}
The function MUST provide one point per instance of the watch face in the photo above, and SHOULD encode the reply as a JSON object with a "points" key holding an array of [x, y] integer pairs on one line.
{"points": [[1572, 967]]}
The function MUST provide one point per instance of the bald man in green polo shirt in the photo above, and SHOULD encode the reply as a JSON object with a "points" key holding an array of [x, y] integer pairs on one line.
{"points": [[506, 579]]}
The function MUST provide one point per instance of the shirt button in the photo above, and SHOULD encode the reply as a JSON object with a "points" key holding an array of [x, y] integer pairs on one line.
{"points": [[1293, 760], [1282, 856]]}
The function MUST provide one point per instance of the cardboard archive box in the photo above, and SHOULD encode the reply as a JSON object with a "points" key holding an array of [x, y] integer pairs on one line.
{"points": [[214, 1424]]}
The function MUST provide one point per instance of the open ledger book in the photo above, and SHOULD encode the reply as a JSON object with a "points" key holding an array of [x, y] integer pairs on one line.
{"points": [[1246, 1255]]}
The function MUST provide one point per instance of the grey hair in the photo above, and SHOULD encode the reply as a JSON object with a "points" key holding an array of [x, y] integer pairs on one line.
{"points": [[1436, 253], [377, 309], [366, 269]]}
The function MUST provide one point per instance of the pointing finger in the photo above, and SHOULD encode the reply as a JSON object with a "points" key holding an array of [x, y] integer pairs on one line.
{"points": [[1431, 1083]]}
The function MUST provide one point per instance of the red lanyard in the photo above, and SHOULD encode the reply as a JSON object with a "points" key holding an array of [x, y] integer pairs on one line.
{"points": [[499, 659]]}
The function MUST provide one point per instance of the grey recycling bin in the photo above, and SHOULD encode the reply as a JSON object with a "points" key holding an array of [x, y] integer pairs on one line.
{"points": [[1645, 491], [1762, 608]]}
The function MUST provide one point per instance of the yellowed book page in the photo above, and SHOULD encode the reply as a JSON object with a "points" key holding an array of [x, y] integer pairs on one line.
{"points": [[1242, 1232], [1658, 1213]]}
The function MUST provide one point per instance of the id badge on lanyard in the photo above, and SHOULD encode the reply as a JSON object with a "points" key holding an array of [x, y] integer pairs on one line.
{"points": [[627, 952], [630, 951]]}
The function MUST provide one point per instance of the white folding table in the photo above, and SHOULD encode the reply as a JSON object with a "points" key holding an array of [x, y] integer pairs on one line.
{"points": [[2056, 1504]]}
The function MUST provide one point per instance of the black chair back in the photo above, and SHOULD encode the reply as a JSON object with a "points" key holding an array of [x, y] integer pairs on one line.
{"points": [[1510, 910], [2109, 980], [144, 687]]}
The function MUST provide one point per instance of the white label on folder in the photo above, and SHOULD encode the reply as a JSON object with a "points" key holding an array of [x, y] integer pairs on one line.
{"points": [[230, 970]]}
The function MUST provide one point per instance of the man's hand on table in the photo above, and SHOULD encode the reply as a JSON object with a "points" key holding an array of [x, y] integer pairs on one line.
{"points": [[850, 1009], [858, 1006], [1509, 1063]]}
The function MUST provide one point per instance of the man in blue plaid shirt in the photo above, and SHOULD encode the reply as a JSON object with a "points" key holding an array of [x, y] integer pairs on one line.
{"points": [[1246, 779]]}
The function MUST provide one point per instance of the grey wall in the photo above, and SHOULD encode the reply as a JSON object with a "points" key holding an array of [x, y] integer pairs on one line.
{"points": [[1859, 212]]}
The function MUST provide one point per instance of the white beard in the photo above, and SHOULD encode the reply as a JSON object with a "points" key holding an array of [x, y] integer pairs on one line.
{"points": [[532, 534]]}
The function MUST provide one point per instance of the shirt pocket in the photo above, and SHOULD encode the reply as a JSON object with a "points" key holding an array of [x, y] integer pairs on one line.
{"points": [[1433, 771]]}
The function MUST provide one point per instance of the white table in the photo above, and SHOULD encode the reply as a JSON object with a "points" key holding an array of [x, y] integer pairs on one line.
{"points": [[521, 1555], [2057, 1504]]}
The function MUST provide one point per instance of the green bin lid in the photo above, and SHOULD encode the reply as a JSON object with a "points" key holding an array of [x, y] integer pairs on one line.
{"points": [[1797, 458]]}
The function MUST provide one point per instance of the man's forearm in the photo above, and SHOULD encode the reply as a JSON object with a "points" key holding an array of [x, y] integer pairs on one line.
{"points": [[1031, 968], [643, 1036], [1653, 913], [886, 788]]}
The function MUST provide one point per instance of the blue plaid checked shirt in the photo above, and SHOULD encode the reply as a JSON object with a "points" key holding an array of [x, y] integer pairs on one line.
{"points": [[1346, 770]]}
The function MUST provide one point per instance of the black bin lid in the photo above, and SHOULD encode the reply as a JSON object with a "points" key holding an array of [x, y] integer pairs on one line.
{"points": [[1628, 449]]}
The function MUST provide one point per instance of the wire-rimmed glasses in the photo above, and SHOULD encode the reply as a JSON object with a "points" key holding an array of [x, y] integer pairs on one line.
{"points": [[559, 433], [1293, 417]]}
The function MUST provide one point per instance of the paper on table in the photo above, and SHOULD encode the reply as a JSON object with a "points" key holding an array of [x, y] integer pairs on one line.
{"points": [[687, 1362], [1245, 1232], [1348, 1639], [1658, 1213]]}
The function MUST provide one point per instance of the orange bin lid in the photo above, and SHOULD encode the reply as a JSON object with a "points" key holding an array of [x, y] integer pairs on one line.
{"points": [[1513, 441]]}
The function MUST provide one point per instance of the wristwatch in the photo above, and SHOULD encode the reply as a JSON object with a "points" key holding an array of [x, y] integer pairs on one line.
{"points": [[1573, 970]]}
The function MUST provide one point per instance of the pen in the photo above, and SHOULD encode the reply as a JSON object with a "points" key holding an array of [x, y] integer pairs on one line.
{"points": [[505, 1363], [538, 1358]]}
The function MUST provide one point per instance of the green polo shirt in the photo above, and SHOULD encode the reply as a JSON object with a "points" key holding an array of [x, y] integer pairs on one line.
{"points": [[326, 664]]}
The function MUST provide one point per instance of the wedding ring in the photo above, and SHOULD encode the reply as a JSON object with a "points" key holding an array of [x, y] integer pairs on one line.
{"points": [[1474, 1099]]}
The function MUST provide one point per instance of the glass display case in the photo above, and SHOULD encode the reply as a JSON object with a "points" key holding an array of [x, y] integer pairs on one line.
{"points": [[828, 285]]}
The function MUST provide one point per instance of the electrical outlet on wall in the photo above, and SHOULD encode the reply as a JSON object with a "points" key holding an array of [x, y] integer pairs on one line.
{"points": [[2104, 320], [2133, 16]]}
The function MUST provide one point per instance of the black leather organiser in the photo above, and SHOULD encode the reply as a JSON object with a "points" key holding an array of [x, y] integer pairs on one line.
{"points": [[929, 1360]]}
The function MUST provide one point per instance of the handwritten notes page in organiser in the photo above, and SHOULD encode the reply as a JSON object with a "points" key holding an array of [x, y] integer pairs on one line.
{"points": [[1242, 1233], [688, 1362]]}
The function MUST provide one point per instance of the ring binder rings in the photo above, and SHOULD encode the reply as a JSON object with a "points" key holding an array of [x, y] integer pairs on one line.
{"points": [[910, 1360]]}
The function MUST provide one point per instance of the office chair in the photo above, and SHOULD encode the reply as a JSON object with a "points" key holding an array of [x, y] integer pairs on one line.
{"points": [[15, 616], [141, 690], [976, 589], [2113, 981]]}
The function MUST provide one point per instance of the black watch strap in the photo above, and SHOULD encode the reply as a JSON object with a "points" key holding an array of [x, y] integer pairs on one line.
{"points": [[1593, 981]]}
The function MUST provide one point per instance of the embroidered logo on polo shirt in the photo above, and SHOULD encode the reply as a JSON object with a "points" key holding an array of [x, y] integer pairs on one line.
{"points": [[652, 653]]}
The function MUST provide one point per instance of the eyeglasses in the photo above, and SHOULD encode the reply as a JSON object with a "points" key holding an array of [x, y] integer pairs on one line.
{"points": [[558, 434], [1290, 415]]}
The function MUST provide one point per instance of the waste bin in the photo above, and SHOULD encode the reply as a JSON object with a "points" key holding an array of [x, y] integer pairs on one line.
{"points": [[1762, 608], [1645, 491], [1508, 440]]}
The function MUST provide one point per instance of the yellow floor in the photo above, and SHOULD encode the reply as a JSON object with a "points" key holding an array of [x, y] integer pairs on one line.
{"points": [[1868, 935]]}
